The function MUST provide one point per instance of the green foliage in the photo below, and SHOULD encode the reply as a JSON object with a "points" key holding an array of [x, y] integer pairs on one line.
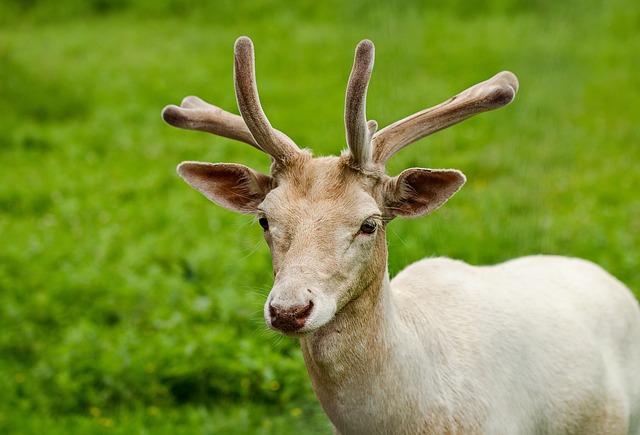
{"points": [[128, 304]]}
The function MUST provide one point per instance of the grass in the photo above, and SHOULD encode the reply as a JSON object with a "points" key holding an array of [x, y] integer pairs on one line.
{"points": [[128, 304]]}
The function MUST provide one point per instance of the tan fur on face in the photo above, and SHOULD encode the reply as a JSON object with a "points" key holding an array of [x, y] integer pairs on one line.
{"points": [[317, 207]]}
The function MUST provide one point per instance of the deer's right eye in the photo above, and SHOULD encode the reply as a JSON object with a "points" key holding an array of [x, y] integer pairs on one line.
{"points": [[264, 223]]}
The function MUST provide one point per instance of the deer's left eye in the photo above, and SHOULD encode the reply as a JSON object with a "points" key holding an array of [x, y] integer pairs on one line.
{"points": [[369, 226]]}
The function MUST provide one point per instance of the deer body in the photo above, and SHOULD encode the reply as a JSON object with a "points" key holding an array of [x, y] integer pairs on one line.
{"points": [[538, 345], [451, 348]]}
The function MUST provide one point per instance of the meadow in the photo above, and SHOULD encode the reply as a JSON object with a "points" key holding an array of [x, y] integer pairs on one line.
{"points": [[129, 304]]}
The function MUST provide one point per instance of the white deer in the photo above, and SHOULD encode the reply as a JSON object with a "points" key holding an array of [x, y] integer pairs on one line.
{"points": [[537, 345]]}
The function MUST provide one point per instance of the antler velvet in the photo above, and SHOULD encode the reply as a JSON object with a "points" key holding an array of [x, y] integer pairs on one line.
{"points": [[252, 127], [366, 147], [196, 114], [358, 130], [488, 95], [275, 143]]}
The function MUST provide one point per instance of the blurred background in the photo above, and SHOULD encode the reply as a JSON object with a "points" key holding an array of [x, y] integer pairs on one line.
{"points": [[129, 304]]}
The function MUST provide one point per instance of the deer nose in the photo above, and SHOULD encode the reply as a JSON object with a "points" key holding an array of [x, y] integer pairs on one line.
{"points": [[289, 319]]}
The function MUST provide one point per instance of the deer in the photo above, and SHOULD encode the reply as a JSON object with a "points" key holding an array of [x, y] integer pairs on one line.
{"points": [[536, 345]]}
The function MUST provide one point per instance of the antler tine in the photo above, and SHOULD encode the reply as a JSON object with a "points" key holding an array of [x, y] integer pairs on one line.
{"points": [[358, 130], [196, 114], [275, 143], [492, 94]]}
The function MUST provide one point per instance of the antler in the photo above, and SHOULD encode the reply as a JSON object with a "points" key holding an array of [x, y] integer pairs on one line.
{"points": [[365, 145], [196, 114], [275, 143], [252, 127], [358, 130], [488, 95]]}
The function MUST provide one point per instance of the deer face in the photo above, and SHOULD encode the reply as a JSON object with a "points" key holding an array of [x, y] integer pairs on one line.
{"points": [[324, 219], [326, 233], [324, 222]]}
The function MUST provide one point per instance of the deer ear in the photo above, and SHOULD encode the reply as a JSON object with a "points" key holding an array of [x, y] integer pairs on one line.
{"points": [[417, 192], [232, 186]]}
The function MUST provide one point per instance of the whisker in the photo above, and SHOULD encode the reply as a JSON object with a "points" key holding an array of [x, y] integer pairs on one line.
{"points": [[398, 236]]}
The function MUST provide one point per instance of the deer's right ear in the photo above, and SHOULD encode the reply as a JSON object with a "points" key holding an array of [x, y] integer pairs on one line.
{"points": [[232, 186]]}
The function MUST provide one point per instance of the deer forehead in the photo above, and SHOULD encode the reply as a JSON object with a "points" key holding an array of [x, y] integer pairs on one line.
{"points": [[324, 188]]}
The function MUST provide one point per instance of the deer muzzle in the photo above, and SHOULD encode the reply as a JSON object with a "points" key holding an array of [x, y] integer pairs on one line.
{"points": [[289, 319]]}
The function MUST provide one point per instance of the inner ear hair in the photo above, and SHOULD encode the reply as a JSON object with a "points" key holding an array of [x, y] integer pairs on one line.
{"points": [[417, 191], [235, 187]]}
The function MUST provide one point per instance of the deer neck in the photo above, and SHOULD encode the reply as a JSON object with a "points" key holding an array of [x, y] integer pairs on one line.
{"points": [[343, 349]]}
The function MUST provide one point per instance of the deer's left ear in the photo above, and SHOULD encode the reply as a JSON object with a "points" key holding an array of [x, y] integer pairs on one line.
{"points": [[417, 192], [235, 187]]}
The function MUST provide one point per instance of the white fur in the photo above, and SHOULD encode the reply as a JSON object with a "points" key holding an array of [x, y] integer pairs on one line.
{"points": [[538, 345]]}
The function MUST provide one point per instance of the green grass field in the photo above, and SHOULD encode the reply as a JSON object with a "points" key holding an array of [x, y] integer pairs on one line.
{"points": [[131, 305]]}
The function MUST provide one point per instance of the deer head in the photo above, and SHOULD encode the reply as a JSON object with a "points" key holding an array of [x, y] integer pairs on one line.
{"points": [[324, 219]]}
